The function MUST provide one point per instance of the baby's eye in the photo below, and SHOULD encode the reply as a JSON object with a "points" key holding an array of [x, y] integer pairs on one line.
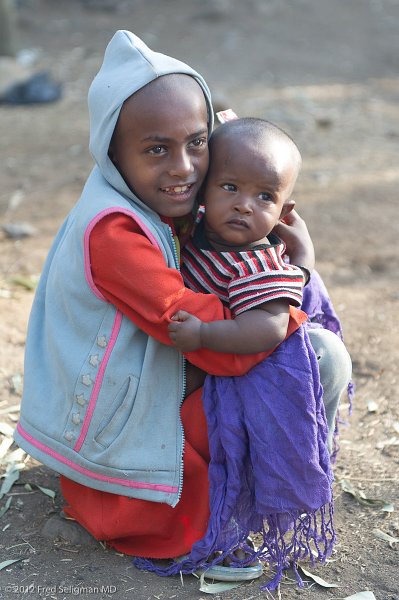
{"points": [[229, 187], [265, 196], [157, 150]]}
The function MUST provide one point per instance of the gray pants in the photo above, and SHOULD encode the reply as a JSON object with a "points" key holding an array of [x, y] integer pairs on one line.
{"points": [[335, 368]]}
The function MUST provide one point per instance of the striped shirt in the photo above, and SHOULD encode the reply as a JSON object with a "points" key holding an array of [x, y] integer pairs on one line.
{"points": [[244, 279]]}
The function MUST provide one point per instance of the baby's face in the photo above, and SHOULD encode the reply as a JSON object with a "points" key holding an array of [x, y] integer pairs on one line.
{"points": [[245, 192], [160, 144]]}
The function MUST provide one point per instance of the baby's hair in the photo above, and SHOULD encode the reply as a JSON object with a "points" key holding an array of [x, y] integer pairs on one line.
{"points": [[254, 128]]}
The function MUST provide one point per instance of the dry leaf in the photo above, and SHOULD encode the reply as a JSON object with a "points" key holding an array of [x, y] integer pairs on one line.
{"points": [[17, 383], [372, 406], [5, 446], [317, 579], [385, 536], [6, 429], [393, 441], [17, 389]]}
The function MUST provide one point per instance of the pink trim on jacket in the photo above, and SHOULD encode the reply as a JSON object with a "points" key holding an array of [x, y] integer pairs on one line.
{"points": [[157, 487], [99, 379], [86, 242]]}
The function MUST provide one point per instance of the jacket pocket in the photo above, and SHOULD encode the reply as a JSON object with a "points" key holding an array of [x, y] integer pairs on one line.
{"points": [[113, 423]]}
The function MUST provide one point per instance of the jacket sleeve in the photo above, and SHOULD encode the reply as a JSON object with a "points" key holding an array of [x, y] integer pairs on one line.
{"points": [[131, 274]]}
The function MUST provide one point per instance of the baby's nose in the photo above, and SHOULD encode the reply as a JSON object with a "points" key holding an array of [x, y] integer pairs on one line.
{"points": [[244, 204]]}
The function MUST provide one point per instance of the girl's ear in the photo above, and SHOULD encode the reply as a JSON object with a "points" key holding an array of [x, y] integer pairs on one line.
{"points": [[111, 154], [287, 208]]}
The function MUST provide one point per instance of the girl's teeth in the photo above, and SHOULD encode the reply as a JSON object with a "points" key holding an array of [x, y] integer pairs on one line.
{"points": [[178, 189]]}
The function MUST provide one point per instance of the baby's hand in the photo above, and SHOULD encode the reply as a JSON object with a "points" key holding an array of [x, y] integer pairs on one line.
{"points": [[185, 331]]}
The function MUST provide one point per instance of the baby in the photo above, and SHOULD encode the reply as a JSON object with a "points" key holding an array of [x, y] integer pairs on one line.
{"points": [[235, 252], [270, 471]]}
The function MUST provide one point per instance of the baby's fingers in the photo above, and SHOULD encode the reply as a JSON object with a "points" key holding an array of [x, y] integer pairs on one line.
{"points": [[181, 315]]}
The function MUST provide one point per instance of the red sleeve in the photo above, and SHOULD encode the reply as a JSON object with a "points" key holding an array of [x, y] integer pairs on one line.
{"points": [[131, 274]]}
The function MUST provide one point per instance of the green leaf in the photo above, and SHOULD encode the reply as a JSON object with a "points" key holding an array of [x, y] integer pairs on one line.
{"points": [[216, 588], [317, 579], [11, 476], [7, 563], [46, 491], [360, 497], [361, 596], [5, 507], [29, 283]]}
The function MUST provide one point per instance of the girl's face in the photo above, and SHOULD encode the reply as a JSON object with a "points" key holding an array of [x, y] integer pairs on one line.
{"points": [[246, 193], [160, 144]]}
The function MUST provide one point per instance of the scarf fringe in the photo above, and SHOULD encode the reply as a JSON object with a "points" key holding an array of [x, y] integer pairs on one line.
{"points": [[285, 540]]}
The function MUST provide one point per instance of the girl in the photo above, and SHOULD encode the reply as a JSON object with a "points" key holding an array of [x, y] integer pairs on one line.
{"points": [[103, 385]]}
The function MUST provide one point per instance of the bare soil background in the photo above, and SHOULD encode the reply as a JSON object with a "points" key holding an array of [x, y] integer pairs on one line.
{"points": [[327, 72]]}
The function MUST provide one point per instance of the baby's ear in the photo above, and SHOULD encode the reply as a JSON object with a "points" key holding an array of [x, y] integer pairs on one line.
{"points": [[288, 206]]}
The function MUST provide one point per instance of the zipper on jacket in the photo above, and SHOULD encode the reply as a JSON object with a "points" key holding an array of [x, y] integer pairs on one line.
{"points": [[183, 366]]}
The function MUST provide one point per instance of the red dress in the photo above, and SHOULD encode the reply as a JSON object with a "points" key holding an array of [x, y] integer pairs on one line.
{"points": [[140, 527]]}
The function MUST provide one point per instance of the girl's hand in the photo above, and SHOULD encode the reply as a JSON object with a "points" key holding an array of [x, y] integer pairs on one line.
{"points": [[185, 331], [294, 233]]}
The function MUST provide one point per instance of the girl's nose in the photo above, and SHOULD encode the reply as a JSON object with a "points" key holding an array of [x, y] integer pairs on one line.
{"points": [[181, 164]]}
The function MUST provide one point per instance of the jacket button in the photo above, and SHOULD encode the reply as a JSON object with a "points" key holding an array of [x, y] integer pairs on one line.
{"points": [[69, 436], [76, 418], [94, 360], [87, 380], [80, 399], [101, 341]]}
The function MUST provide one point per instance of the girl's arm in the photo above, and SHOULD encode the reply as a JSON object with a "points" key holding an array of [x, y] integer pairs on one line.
{"points": [[131, 273], [299, 246]]}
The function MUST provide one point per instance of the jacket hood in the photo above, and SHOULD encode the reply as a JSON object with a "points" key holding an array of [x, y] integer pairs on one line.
{"points": [[128, 66]]}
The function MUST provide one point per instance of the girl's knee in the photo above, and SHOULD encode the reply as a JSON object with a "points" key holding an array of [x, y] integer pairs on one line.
{"points": [[334, 361], [335, 367]]}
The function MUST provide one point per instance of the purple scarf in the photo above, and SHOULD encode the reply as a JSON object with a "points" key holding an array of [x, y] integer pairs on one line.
{"points": [[270, 471]]}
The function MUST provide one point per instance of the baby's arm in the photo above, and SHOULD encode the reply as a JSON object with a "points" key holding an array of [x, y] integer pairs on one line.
{"points": [[255, 330], [130, 272]]}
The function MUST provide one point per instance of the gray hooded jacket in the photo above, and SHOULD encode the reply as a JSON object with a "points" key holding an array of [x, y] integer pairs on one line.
{"points": [[93, 407]]}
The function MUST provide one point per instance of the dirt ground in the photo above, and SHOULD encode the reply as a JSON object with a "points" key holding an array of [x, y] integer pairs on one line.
{"points": [[325, 71]]}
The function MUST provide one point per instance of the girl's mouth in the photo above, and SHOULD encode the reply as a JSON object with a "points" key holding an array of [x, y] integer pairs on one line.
{"points": [[177, 189], [179, 194]]}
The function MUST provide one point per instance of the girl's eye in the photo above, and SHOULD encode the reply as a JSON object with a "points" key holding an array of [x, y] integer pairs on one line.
{"points": [[265, 196], [229, 187], [199, 142], [157, 150]]}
